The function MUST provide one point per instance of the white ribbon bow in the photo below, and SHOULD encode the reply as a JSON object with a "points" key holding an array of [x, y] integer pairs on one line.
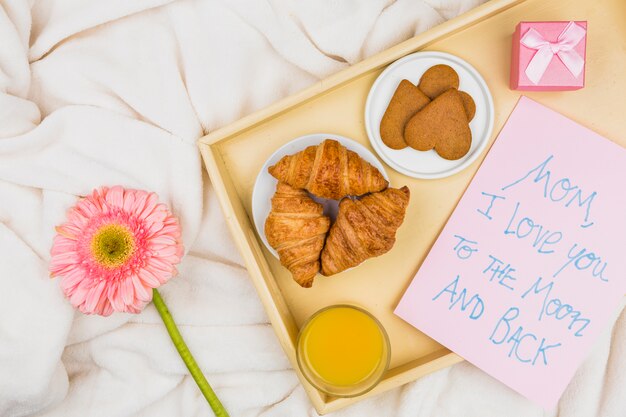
{"points": [[563, 48]]}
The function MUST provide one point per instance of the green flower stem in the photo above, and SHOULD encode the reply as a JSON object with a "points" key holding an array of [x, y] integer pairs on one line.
{"points": [[187, 357]]}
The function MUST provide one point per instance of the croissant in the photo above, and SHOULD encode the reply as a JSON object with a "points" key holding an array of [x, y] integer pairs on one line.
{"points": [[296, 228], [329, 170], [364, 229]]}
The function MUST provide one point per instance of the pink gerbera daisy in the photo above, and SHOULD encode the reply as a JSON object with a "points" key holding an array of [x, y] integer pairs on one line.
{"points": [[116, 246]]}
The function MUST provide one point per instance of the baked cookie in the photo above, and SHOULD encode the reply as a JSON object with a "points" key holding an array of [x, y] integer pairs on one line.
{"points": [[406, 101], [441, 125], [438, 79], [469, 105]]}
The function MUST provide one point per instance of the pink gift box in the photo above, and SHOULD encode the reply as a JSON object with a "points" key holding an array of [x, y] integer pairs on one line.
{"points": [[549, 56]]}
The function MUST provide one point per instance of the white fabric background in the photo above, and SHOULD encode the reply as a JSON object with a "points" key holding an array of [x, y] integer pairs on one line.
{"points": [[117, 92]]}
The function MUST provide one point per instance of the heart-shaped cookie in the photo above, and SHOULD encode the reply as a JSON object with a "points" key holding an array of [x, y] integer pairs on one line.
{"points": [[406, 101], [469, 105], [438, 79], [441, 125]]}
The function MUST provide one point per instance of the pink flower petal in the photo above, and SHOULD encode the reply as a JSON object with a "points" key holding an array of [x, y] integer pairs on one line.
{"points": [[78, 295], [103, 302], [68, 231], [98, 200], [139, 305], [115, 196], [162, 276], [172, 230], [107, 310], [129, 200], [139, 203], [62, 244], [141, 291], [69, 257], [149, 205], [61, 270], [88, 207], [155, 247], [132, 310], [164, 240], [100, 194], [113, 294], [155, 228], [149, 278], [93, 297], [127, 291], [165, 251], [76, 218], [157, 216], [157, 263], [71, 279]]}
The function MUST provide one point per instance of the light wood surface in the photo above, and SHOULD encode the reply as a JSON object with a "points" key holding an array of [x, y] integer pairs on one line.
{"points": [[233, 156]]}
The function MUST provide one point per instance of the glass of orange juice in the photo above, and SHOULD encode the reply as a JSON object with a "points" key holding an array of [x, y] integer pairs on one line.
{"points": [[343, 350]]}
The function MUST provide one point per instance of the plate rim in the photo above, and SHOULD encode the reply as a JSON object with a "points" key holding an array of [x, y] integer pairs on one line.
{"points": [[484, 137]]}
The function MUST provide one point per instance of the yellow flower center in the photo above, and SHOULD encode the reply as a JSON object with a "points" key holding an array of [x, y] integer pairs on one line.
{"points": [[112, 245]]}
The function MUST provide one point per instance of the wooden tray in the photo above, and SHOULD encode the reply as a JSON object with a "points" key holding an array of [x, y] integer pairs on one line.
{"points": [[234, 155]]}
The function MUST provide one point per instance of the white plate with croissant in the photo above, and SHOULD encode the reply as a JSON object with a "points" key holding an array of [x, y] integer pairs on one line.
{"points": [[307, 184]]}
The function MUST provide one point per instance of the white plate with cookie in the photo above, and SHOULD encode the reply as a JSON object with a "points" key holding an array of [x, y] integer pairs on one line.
{"points": [[265, 185], [429, 164]]}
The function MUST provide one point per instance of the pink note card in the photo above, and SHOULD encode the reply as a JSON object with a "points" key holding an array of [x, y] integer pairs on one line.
{"points": [[531, 266]]}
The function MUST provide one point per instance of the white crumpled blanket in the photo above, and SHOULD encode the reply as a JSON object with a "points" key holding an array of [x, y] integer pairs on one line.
{"points": [[117, 92]]}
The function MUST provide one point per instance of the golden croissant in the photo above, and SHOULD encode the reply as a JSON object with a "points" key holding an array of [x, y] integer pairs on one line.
{"points": [[364, 229], [296, 228], [329, 170]]}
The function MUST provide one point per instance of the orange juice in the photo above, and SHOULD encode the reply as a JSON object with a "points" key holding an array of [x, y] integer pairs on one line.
{"points": [[343, 350]]}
